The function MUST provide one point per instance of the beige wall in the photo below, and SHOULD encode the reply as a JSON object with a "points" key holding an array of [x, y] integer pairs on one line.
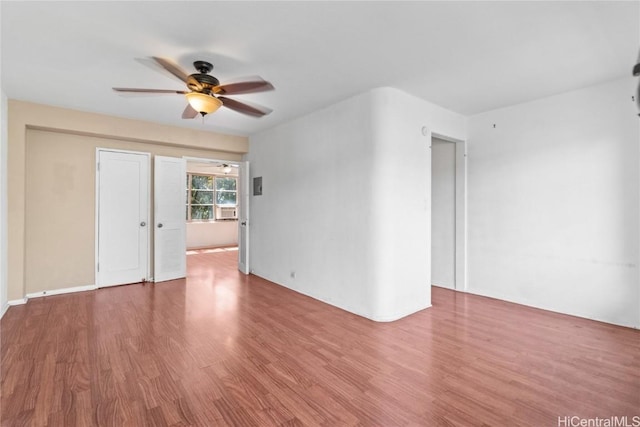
{"points": [[52, 186]]}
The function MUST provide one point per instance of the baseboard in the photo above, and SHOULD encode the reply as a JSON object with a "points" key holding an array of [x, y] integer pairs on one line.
{"points": [[61, 291], [379, 319], [17, 302], [4, 309], [45, 294], [384, 319], [12, 303], [537, 305]]}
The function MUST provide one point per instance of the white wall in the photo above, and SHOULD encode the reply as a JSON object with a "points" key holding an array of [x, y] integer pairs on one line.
{"points": [[443, 212], [3, 204], [553, 203], [333, 222], [402, 136], [212, 234], [4, 138], [313, 217]]}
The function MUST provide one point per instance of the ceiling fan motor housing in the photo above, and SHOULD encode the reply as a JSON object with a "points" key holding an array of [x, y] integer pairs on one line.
{"points": [[203, 81]]}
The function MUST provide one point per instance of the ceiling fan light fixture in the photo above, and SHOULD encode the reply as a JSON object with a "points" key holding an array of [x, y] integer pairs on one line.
{"points": [[202, 89], [203, 103]]}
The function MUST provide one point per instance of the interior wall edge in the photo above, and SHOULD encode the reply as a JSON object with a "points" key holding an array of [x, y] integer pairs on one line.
{"points": [[4, 138]]}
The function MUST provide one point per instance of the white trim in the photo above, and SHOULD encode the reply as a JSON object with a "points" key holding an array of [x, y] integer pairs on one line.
{"points": [[461, 190], [386, 319], [24, 300], [61, 291], [445, 138], [378, 319], [4, 263], [239, 193], [96, 219], [243, 203], [501, 296], [150, 230], [4, 310]]}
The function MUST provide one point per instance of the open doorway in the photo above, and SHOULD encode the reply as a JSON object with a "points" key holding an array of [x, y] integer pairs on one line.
{"points": [[212, 206], [448, 213], [443, 213]]}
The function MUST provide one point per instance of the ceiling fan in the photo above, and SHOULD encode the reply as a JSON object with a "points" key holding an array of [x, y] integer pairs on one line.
{"points": [[205, 94]]}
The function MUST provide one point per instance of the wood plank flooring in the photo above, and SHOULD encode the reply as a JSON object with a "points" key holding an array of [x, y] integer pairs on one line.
{"points": [[223, 349]]}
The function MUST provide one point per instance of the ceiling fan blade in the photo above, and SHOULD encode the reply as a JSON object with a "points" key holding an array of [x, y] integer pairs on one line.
{"points": [[189, 112], [257, 85], [172, 68], [148, 91], [241, 107], [151, 64]]}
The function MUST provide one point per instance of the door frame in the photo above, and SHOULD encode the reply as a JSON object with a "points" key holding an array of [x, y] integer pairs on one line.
{"points": [[460, 282], [97, 209], [229, 162], [244, 181]]}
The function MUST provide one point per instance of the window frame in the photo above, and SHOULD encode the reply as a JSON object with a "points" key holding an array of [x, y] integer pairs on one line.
{"points": [[214, 195], [216, 190]]}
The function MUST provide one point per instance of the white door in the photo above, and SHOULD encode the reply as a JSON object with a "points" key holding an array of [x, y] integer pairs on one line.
{"points": [[170, 242], [122, 184], [243, 216]]}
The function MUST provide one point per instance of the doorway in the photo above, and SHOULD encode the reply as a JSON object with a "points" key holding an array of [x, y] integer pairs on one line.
{"points": [[124, 222], [448, 212], [217, 212]]}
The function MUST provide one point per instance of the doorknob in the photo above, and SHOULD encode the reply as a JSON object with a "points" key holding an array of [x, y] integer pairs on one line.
{"points": [[142, 224], [243, 223], [160, 225]]}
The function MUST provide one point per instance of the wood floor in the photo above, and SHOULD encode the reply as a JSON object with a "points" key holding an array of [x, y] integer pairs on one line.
{"points": [[223, 349]]}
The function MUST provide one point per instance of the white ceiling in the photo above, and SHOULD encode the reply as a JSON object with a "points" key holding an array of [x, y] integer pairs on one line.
{"points": [[468, 57], [211, 167]]}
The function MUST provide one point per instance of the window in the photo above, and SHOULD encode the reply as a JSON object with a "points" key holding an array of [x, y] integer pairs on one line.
{"points": [[226, 191], [200, 197], [205, 192]]}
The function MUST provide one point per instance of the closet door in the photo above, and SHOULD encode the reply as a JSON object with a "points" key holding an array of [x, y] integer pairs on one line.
{"points": [[122, 206]]}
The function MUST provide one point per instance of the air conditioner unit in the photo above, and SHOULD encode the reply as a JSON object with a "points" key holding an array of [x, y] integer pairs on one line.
{"points": [[226, 212]]}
